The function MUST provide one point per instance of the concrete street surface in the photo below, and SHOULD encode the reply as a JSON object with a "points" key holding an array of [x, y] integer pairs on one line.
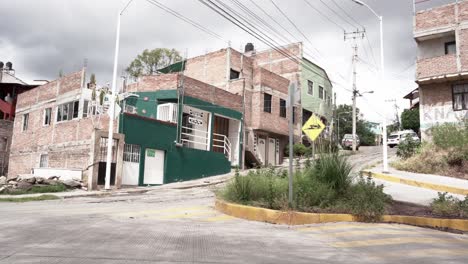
{"points": [[180, 226]]}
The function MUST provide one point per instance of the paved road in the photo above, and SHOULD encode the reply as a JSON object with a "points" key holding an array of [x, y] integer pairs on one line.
{"points": [[180, 226]]}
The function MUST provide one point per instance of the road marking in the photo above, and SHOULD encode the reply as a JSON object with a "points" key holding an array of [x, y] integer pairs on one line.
{"points": [[375, 232], [343, 226], [396, 241], [219, 218]]}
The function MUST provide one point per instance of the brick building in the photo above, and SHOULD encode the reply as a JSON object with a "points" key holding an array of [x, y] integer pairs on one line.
{"points": [[10, 87], [265, 95], [58, 131], [441, 34]]}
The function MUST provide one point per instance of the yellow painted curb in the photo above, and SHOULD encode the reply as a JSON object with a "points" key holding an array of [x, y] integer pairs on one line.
{"points": [[421, 184], [298, 218]]}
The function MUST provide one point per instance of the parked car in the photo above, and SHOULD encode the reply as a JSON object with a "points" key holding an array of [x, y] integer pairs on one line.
{"points": [[347, 142], [396, 138]]}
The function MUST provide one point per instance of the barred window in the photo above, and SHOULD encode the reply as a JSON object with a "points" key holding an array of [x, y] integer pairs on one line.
{"points": [[132, 153], [460, 97], [44, 162]]}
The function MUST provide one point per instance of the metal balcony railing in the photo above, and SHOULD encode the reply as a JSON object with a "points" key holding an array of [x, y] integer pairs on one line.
{"points": [[223, 142]]}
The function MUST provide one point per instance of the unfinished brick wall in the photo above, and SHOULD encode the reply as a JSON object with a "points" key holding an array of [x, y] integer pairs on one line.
{"points": [[436, 66], [6, 132], [435, 18], [67, 143]]}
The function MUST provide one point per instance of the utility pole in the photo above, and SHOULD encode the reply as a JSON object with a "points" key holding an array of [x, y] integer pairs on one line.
{"points": [[397, 118], [354, 35], [292, 89]]}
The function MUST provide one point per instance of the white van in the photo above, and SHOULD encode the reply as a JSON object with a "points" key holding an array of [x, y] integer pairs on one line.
{"points": [[396, 137]]}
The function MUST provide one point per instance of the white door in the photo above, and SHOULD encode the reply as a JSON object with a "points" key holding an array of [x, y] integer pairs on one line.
{"points": [[261, 149], [271, 151], [131, 164], [154, 167]]}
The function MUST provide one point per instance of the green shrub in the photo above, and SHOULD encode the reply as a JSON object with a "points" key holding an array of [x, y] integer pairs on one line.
{"points": [[450, 135], [366, 200], [309, 192], [445, 205], [334, 170], [299, 150], [407, 148]]}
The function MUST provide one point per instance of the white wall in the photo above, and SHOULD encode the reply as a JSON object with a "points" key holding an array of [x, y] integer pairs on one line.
{"points": [[234, 129]]}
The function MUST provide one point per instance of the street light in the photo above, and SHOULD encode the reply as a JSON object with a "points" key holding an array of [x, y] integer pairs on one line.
{"points": [[110, 139], [382, 77]]}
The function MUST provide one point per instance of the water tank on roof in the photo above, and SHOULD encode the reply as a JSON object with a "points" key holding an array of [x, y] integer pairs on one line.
{"points": [[9, 66], [249, 47], [1, 64]]}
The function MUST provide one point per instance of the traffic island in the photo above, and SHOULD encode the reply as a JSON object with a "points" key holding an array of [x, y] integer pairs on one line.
{"points": [[301, 218]]}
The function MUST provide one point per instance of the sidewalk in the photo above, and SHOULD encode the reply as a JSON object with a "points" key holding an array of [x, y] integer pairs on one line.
{"points": [[417, 187], [208, 181]]}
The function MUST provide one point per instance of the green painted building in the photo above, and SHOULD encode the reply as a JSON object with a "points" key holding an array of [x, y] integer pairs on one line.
{"points": [[316, 92], [158, 150]]}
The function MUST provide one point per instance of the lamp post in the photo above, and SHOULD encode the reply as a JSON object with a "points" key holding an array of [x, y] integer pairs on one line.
{"points": [[382, 79], [110, 139]]}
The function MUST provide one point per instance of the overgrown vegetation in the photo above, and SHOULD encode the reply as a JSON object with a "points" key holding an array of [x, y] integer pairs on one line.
{"points": [[59, 187], [325, 186], [30, 199], [446, 155], [448, 206], [407, 148]]}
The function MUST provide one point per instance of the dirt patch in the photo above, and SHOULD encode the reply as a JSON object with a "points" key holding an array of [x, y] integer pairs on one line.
{"points": [[409, 209]]}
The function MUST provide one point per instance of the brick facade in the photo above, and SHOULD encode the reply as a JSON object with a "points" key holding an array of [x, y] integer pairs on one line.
{"points": [[67, 144], [439, 70]]}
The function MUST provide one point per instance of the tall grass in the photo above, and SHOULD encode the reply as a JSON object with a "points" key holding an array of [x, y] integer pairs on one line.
{"points": [[335, 171]]}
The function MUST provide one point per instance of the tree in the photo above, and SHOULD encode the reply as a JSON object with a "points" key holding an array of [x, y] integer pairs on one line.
{"points": [[344, 115], [150, 61], [410, 119]]}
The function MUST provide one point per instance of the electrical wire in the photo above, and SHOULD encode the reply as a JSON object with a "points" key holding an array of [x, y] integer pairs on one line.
{"points": [[337, 14], [187, 20], [323, 15], [347, 14]]}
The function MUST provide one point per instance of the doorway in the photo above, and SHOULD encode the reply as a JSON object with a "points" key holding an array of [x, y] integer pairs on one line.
{"points": [[154, 167]]}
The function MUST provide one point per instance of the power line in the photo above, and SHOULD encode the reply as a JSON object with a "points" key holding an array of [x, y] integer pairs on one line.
{"points": [[324, 16], [188, 20], [336, 13], [219, 10], [295, 26], [347, 14]]}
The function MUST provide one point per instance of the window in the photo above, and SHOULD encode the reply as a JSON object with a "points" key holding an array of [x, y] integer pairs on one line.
{"points": [[25, 121], [44, 162], [321, 92], [85, 108], [131, 153], [47, 116], [67, 111], [267, 103], [282, 108], [460, 97], [310, 87], [234, 75], [329, 101], [450, 48]]}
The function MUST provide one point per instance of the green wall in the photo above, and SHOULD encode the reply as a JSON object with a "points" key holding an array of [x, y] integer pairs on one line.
{"points": [[313, 103], [181, 164]]}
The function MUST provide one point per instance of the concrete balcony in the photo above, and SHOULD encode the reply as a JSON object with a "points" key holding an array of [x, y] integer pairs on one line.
{"points": [[436, 66]]}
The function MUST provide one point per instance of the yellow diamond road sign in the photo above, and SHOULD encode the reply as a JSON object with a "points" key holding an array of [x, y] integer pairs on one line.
{"points": [[313, 127]]}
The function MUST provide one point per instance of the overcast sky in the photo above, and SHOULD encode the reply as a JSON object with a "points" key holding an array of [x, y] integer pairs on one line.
{"points": [[42, 38]]}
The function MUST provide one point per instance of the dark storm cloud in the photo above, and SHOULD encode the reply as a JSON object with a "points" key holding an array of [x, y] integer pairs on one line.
{"points": [[43, 37]]}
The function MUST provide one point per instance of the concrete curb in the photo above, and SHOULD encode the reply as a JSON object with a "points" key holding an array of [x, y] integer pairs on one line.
{"points": [[299, 218], [421, 184]]}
